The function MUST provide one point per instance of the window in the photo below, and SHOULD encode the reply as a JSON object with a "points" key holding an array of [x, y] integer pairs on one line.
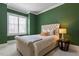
{"points": [[16, 24]]}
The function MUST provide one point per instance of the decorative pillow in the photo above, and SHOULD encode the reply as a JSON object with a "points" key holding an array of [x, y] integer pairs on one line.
{"points": [[44, 33], [56, 37], [54, 32]]}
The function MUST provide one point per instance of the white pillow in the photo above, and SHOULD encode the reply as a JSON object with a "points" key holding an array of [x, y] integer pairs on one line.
{"points": [[52, 32]]}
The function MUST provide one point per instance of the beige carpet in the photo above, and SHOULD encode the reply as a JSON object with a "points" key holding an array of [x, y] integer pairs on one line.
{"points": [[63, 53], [73, 51], [10, 50]]}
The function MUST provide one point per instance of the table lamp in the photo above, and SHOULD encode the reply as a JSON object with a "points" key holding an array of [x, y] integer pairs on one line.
{"points": [[62, 31]]}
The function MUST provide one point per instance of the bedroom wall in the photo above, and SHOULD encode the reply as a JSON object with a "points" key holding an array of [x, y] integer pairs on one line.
{"points": [[33, 23], [66, 14], [3, 23]]}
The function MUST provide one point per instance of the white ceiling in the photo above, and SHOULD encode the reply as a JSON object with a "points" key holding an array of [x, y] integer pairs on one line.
{"points": [[35, 8]]}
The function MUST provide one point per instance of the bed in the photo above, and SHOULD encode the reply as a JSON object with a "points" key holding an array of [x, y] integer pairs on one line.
{"points": [[38, 45]]}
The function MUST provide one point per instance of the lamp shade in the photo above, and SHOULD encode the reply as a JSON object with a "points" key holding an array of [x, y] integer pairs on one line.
{"points": [[63, 30]]}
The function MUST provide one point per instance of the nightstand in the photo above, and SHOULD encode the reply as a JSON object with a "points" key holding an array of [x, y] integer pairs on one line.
{"points": [[63, 44]]}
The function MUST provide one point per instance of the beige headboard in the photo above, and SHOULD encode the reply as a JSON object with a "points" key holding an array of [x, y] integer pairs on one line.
{"points": [[50, 27]]}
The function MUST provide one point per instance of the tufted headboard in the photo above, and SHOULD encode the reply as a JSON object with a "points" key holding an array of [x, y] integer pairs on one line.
{"points": [[50, 27]]}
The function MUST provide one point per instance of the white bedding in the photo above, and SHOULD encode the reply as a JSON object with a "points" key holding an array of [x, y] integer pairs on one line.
{"points": [[32, 38], [29, 38]]}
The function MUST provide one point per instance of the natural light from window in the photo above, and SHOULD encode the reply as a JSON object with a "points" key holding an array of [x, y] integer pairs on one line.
{"points": [[16, 24]]}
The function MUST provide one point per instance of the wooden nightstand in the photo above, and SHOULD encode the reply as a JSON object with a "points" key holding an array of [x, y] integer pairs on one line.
{"points": [[63, 44]]}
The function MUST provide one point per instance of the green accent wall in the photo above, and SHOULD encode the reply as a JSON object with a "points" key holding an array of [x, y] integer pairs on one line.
{"points": [[33, 23], [3, 23], [66, 14]]}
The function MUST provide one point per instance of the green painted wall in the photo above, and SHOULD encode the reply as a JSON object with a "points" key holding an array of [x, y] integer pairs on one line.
{"points": [[68, 15], [33, 23], [3, 23]]}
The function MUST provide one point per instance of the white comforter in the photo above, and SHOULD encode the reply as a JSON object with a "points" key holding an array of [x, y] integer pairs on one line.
{"points": [[32, 38], [28, 38]]}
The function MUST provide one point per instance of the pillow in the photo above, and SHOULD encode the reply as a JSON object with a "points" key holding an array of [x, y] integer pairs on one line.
{"points": [[56, 37], [54, 32], [44, 33]]}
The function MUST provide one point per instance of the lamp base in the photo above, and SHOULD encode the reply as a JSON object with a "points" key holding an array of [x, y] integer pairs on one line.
{"points": [[62, 37]]}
